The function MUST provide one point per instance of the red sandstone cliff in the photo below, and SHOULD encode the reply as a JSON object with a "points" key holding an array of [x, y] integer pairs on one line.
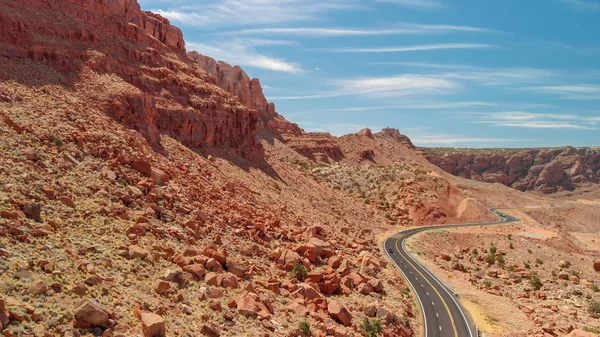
{"points": [[249, 91], [545, 170], [159, 89]]}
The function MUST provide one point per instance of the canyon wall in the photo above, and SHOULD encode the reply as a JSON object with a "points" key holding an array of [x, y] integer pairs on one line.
{"points": [[544, 170], [234, 80]]}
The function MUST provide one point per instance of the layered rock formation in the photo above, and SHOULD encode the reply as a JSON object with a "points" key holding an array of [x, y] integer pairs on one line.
{"points": [[234, 80], [364, 146], [159, 91], [545, 170]]}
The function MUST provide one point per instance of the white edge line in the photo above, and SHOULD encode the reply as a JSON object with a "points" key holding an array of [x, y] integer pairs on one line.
{"points": [[446, 290], [408, 280], [440, 282]]}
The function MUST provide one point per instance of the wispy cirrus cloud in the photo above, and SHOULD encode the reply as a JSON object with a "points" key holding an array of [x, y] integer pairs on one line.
{"points": [[393, 86], [486, 76], [220, 13], [530, 120], [398, 29], [427, 4], [382, 87], [574, 92], [399, 49], [243, 53], [583, 5]]}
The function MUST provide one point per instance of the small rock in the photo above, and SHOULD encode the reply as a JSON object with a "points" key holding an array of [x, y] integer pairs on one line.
{"points": [[32, 210], [37, 288], [161, 287], [137, 252], [80, 289], [67, 201], [186, 309], [210, 331]]}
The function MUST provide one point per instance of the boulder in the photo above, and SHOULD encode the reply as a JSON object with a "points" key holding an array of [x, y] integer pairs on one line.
{"points": [[229, 281], [91, 314], [597, 266], [338, 311], [159, 177], [153, 325], [287, 259], [137, 252]]}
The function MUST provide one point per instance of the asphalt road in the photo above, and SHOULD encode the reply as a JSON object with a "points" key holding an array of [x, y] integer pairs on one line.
{"points": [[443, 315]]}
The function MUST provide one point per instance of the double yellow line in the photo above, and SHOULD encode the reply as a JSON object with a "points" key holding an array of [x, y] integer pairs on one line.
{"points": [[434, 289]]}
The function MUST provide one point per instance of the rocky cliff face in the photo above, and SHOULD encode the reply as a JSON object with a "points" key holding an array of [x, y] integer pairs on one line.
{"points": [[234, 80], [159, 89], [545, 170]]}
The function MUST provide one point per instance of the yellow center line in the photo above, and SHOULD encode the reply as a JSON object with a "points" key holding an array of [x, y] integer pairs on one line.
{"points": [[434, 288]]}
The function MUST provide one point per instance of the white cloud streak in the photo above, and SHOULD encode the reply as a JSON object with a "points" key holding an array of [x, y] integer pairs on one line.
{"points": [[250, 12], [243, 53], [400, 49], [427, 4], [383, 87], [529, 120], [574, 92], [583, 5], [401, 29]]}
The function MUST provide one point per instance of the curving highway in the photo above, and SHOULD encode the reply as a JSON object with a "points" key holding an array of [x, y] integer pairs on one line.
{"points": [[443, 316]]}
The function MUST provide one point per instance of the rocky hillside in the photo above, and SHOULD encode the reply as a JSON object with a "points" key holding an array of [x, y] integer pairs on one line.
{"points": [[544, 170], [133, 64], [136, 199]]}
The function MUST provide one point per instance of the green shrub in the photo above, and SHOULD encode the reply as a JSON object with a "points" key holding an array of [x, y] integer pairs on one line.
{"points": [[500, 260], [305, 328], [595, 288], [475, 252], [493, 248], [487, 283], [371, 328], [539, 261], [57, 141], [299, 272], [536, 283], [594, 307], [490, 258]]}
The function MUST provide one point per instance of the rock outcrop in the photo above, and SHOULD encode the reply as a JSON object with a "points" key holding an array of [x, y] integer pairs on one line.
{"points": [[544, 170], [234, 80], [138, 62]]}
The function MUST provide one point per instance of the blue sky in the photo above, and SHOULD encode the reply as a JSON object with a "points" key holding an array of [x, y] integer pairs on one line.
{"points": [[505, 73]]}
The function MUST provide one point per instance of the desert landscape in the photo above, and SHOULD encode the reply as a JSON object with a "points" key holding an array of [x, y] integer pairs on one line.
{"points": [[150, 191]]}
